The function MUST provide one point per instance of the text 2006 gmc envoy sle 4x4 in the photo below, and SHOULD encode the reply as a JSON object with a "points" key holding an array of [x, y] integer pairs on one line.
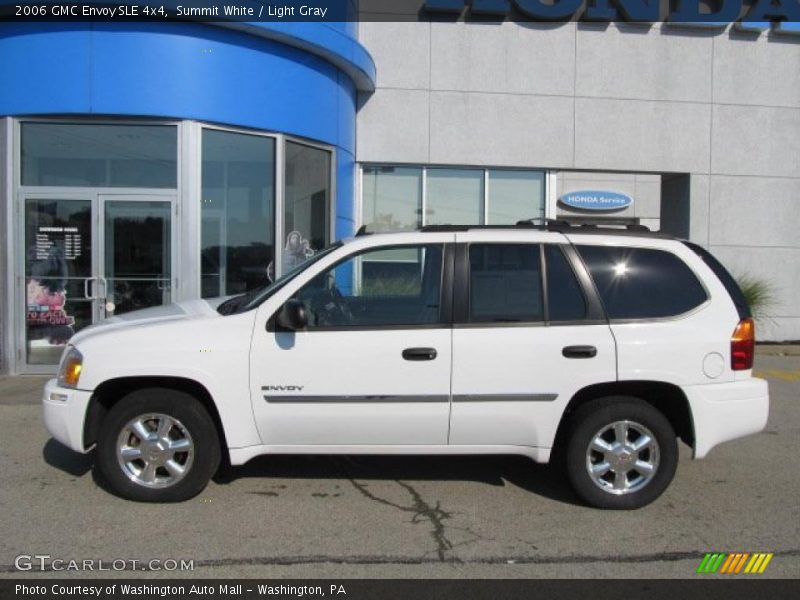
{"points": [[600, 348]]}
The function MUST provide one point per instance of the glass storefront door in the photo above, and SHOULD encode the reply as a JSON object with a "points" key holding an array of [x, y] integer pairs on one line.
{"points": [[59, 272], [90, 257], [136, 256]]}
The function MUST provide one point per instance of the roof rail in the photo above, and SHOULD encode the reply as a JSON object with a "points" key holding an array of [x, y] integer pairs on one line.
{"points": [[559, 225], [556, 225], [432, 228], [633, 230]]}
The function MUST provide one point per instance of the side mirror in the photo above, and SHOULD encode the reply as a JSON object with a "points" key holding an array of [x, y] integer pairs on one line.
{"points": [[292, 315]]}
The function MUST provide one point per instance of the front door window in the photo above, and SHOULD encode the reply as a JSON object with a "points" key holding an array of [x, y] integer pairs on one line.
{"points": [[379, 288]]}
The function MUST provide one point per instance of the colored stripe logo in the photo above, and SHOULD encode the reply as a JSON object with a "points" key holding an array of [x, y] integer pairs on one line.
{"points": [[735, 563]]}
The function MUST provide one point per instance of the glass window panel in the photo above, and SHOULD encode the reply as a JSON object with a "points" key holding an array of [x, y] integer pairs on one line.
{"points": [[72, 154], [505, 283], [454, 197], [515, 196], [638, 283], [306, 203], [365, 292], [733, 289], [58, 263], [238, 219], [391, 198], [137, 255], [564, 294]]}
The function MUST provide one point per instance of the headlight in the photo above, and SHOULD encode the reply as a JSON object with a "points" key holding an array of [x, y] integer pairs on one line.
{"points": [[70, 370]]}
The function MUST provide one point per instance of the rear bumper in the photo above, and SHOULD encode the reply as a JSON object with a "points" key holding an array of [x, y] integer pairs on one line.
{"points": [[64, 412], [726, 411]]}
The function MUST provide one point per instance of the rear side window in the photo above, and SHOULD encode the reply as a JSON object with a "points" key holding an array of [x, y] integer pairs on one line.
{"points": [[564, 295], [638, 283], [733, 289], [505, 283]]}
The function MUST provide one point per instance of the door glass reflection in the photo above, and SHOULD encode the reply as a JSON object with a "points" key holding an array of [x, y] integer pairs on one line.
{"points": [[306, 203], [138, 247]]}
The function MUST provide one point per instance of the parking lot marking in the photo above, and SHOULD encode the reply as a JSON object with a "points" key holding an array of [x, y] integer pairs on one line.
{"points": [[792, 375]]}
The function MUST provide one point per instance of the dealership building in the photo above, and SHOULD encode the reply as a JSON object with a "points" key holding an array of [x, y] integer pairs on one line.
{"points": [[146, 163]]}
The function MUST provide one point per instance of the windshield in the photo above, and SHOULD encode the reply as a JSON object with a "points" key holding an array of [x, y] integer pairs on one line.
{"points": [[249, 300]]}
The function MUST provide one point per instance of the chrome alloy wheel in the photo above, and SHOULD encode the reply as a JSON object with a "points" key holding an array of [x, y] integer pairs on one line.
{"points": [[155, 450], [622, 457]]}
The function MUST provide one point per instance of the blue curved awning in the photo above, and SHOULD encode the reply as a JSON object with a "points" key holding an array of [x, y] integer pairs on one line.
{"points": [[326, 40]]}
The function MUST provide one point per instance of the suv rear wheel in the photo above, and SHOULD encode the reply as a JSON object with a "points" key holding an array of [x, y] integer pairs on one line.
{"points": [[157, 445], [621, 453]]}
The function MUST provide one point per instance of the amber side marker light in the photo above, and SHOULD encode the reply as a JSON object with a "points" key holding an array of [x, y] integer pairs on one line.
{"points": [[743, 345], [73, 372], [70, 370]]}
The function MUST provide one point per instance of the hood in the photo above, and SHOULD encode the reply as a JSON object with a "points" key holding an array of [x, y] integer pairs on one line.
{"points": [[177, 311]]}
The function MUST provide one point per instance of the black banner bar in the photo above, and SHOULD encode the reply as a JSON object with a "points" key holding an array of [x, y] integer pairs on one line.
{"points": [[706, 13], [710, 588]]}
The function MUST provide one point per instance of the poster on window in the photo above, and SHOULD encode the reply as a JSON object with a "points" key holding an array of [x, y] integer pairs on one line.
{"points": [[48, 257]]}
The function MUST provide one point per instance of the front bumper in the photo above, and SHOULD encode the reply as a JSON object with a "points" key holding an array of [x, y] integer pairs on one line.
{"points": [[726, 411], [64, 414]]}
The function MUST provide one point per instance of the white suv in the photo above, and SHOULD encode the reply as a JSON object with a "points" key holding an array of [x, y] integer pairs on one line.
{"points": [[600, 348]]}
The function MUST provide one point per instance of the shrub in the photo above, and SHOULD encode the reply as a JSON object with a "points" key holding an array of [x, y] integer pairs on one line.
{"points": [[759, 294]]}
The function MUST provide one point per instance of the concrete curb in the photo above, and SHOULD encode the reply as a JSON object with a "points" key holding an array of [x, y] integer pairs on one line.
{"points": [[778, 349]]}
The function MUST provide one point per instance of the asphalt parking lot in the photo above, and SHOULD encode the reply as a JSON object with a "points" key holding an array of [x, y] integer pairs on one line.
{"points": [[476, 517]]}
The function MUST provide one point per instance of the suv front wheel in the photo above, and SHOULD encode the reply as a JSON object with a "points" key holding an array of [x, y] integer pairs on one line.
{"points": [[621, 453], [157, 445]]}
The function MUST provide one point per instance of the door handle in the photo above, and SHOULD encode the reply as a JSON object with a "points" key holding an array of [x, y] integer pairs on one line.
{"points": [[419, 353], [579, 351], [86, 283]]}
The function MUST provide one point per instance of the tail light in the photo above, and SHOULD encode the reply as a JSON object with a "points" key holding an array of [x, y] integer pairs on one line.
{"points": [[743, 345]]}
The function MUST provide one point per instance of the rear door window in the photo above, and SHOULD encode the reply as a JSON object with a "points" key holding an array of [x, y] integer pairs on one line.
{"points": [[565, 299], [642, 283], [505, 283]]}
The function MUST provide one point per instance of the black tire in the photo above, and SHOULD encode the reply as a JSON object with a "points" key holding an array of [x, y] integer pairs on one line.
{"points": [[192, 419], [594, 417]]}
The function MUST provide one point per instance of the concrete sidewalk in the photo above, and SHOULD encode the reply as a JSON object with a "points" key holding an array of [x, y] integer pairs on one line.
{"points": [[21, 389], [778, 349]]}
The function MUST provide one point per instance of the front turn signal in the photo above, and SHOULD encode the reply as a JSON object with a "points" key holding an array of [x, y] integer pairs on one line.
{"points": [[71, 367]]}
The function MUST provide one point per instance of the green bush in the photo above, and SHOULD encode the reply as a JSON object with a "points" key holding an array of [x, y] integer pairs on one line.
{"points": [[759, 294]]}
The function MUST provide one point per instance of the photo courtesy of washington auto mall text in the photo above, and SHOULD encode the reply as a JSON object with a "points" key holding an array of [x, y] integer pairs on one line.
{"points": [[154, 589], [400, 299]]}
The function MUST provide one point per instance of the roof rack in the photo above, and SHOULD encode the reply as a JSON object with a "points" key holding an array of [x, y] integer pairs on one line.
{"points": [[557, 225], [633, 230], [440, 228]]}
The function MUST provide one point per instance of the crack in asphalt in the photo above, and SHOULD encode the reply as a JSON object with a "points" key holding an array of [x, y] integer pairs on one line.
{"points": [[420, 509], [421, 560]]}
